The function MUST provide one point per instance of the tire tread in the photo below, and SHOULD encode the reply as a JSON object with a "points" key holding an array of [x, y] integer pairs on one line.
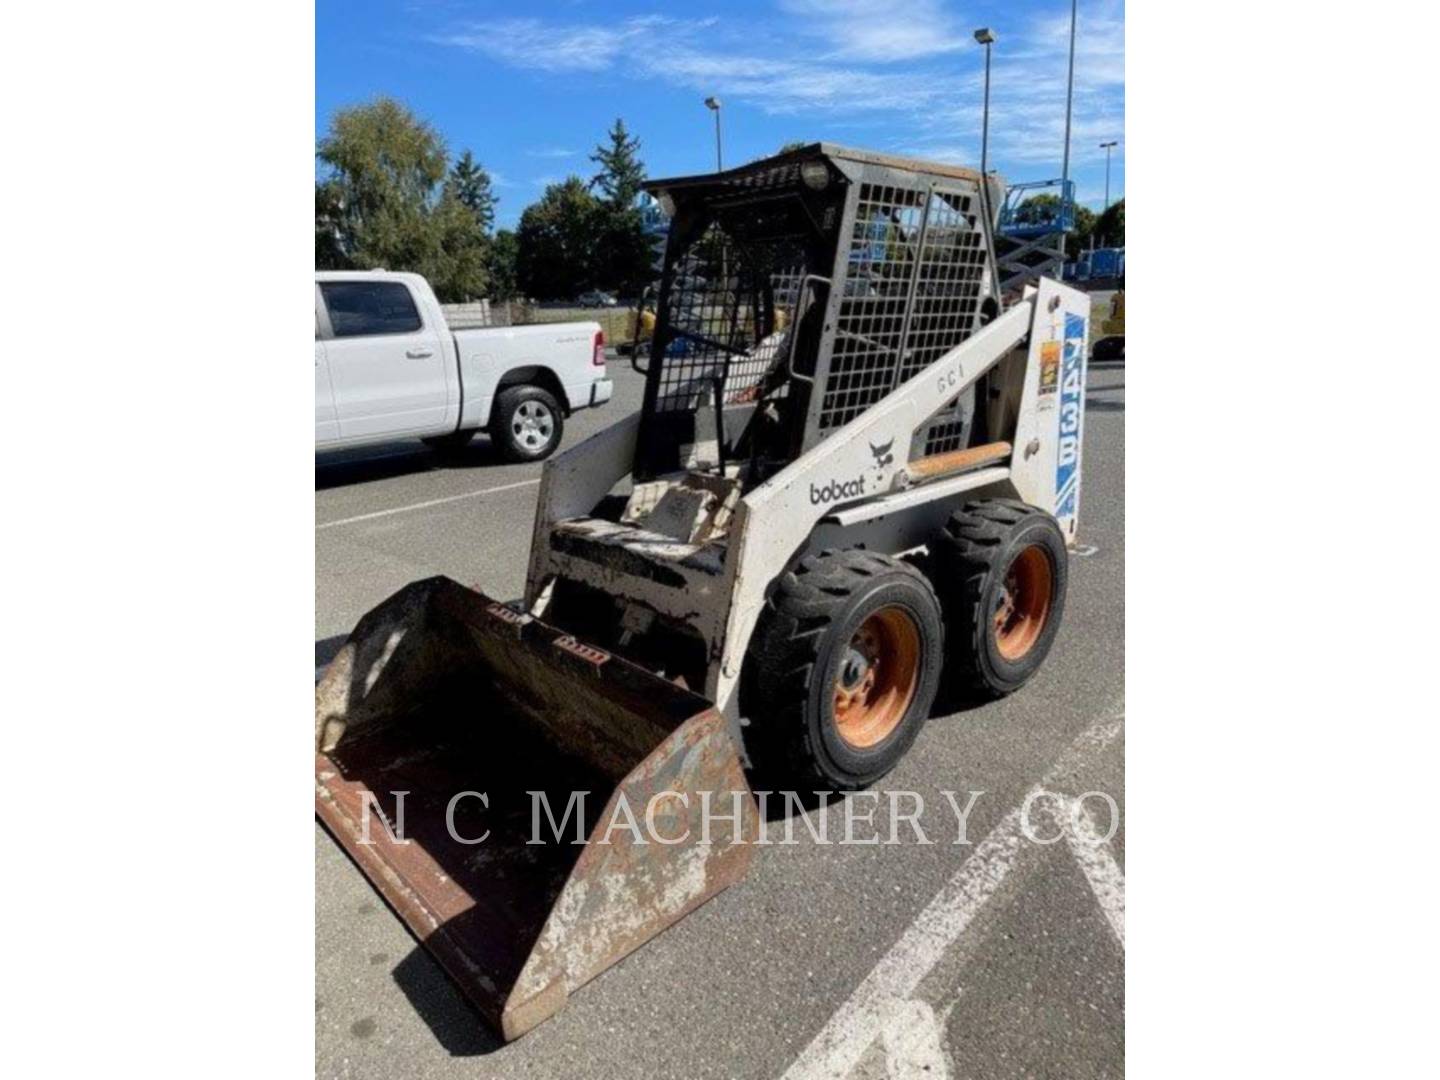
{"points": [[969, 549], [806, 602]]}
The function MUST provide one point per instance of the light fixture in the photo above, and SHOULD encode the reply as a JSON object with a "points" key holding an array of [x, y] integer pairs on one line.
{"points": [[985, 36], [815, 174], [712, 103]]}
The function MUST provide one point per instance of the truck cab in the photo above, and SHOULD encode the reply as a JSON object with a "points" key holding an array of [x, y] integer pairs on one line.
{"points": [[389, 367]]}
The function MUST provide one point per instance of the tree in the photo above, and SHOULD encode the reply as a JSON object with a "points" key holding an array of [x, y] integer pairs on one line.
{"points": [[330, 228], [457, 256], [556, 242], [380, 202], [471, 185], [383, 166], [621, 171], [623, 258], [504, 250], [1110, 228]]}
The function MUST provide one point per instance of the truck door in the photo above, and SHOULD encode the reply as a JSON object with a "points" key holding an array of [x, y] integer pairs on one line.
{"points": [[387, 367], [327, 427]]}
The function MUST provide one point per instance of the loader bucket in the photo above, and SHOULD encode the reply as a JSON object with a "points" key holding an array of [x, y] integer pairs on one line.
{"points": [[440, 692]]}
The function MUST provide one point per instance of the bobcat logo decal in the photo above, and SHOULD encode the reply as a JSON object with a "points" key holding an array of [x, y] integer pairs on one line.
{"points": [[882, 454]]}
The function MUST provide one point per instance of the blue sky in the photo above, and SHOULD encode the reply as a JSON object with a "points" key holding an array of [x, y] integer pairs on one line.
{"points": [[531, 88]]}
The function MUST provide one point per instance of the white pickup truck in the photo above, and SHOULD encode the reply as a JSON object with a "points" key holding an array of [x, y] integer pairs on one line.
{"points": [[388, 366]]}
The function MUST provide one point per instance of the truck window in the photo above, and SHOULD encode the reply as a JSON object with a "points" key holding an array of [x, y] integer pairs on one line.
{"points": [[363, 308]]}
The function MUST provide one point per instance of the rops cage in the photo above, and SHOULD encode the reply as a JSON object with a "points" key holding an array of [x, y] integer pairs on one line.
{"points": [[799, 290]]}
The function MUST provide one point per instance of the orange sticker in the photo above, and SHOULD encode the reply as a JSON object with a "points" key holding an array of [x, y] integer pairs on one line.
{"points": [[1049, 367]]}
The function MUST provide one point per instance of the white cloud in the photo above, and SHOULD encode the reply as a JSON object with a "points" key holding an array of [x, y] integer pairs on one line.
{"points": [[930, 105], [530, 43], [779, 85], [879, 30], [550, 152], [1027, 106], [1099, 42]]}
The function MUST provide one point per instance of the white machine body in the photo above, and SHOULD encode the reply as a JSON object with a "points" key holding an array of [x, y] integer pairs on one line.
{"points": [[851, 490]]}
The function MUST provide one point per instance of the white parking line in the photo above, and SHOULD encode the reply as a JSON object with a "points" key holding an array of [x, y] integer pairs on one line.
{"points": [[426, 504], [850, 1032], [913, 1049], [843, 1041], [1097, 861]]}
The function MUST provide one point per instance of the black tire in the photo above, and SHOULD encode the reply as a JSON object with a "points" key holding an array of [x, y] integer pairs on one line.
{"points": [[987, 547], [515, 437], [449, 444], [801, 648]]}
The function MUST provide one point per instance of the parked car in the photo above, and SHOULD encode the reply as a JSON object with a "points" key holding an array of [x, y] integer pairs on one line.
{"points": [[388, 366], [596, 298]]}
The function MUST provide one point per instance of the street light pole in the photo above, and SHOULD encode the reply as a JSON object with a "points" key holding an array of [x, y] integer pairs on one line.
{"points": [[987, 38], [713, 104], [1069, 93], [1107, 146]]}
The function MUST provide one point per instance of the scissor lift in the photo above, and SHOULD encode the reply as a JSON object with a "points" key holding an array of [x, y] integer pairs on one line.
{"points": [[1030, 242]]}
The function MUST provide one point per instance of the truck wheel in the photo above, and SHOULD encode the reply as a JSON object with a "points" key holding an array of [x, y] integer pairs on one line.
{"points": [[448, 444], [527, 424], [1002, 568], [844, 664]]}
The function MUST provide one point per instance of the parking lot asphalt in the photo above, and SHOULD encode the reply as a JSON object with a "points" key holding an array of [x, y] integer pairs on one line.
{"points": [[1002, 957]]}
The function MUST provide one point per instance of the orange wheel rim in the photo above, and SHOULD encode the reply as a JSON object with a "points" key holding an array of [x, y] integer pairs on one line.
{"points": [[878, 674], [1024, 605]]}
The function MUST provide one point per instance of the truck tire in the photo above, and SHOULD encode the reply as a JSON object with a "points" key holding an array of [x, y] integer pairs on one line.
{"points": [[1002, 569], [449, 444], [528, 423], [844, 666]]}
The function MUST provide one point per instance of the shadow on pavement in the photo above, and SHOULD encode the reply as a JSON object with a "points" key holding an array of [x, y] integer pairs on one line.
{"points": [[326, 648], [1104, 404], [340, 468], [456, 1026]]}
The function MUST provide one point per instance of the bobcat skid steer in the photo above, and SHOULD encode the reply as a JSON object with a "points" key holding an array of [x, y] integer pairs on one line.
{"points": [[852, 473]]}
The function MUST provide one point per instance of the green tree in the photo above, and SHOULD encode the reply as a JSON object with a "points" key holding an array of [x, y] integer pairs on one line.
{"points": [[623, 258], [621, 170], [472, 186], [504, 250], [380, 202], [556, 243], [1110, 227], [330, 251], [383, 164], [456, 261]]}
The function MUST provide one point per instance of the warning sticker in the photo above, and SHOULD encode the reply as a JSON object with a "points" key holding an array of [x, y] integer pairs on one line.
{"points": [[1049, 367]]}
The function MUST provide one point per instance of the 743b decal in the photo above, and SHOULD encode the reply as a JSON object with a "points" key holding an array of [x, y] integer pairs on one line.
{"points": [[1072, 391]]}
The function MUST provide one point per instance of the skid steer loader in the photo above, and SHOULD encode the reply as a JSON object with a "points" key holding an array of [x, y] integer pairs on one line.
{"points": [[852, 473]]}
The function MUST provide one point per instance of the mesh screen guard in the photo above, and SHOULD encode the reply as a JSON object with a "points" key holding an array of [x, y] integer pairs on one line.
{"points": [[902, 259]]}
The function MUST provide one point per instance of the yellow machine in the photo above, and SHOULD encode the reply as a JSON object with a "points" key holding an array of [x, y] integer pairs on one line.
{"points": [[1110, 344], [1115, 324]]}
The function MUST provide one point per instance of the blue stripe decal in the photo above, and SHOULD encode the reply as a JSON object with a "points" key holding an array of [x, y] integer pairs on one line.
{"points": [[1067, 462]]}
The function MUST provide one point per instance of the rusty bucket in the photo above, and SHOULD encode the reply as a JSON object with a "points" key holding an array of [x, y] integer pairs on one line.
{"points": [[456, 738]]}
